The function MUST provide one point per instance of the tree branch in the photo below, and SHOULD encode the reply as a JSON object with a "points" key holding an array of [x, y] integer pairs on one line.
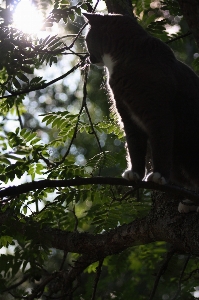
{"points": [[98, 273], [163, 223], [47, 183], [180, 279], [43, 86], [178, 37], [161, 272]]}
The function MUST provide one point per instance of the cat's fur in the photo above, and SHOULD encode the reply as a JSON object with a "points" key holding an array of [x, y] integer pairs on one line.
{"points": [[156, 95]]}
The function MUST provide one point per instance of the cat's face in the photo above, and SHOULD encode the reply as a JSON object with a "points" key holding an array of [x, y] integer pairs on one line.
{"points": [[106, 35], [94, 38]]}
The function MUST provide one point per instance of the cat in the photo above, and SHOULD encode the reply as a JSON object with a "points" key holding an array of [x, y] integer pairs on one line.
{"points": [[156, 96]]}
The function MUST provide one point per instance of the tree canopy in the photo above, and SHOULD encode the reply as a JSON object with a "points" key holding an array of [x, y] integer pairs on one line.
{"points": [[71, 227]]}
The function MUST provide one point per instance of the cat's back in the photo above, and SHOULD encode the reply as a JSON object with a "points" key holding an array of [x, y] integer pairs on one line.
{"points": [[187, 80], [123, 35], [141, 63]]}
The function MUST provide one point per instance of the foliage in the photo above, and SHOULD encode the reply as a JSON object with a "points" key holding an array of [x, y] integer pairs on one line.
{"points": [[63, 130]]}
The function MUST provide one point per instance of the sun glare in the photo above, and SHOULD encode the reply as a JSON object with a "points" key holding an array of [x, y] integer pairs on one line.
{"points": [[27, 18]]}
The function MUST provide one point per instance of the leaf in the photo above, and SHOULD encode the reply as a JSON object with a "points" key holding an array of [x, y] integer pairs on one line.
{"points": [[22, 77], [27, 69], [5, 240], [25, 209], [35, 168], [36, 80], [45, 41], [51, 40], [84, 6], [72, 16], [4, 160], [78, 11], [16, 83]]}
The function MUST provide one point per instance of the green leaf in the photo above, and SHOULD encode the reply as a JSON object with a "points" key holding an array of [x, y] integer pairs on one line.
{"points": [[16, 83], [22, 77], [78, 11], [25, 209], [72, 16], [84, 6], [27, 69], [5, 240], [35, 168], [4, 160]]}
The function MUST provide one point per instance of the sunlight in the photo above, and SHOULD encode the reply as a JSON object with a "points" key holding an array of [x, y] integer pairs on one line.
{"points": [[27, 18]]}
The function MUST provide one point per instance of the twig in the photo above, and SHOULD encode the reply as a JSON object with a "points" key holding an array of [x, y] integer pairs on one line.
{"points": [[96, 4], [43, 86], [87, 111], [196, 271], [46, 207], [80, 31], [63, 260], [178, 37], [76, 219], [89, 118], [98, 273], [180, 279], [78, 34], [19, 116], [113, 195], [161, 271], [127, 194], [76, 128], [80, 265]]}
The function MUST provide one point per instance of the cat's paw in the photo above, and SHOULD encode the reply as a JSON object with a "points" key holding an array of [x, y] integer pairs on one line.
{"points": [[186, 208], [157, 178], [130, 175]]}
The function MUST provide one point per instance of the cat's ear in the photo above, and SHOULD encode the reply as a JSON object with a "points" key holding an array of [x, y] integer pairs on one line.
{"points": [[93, 18]]}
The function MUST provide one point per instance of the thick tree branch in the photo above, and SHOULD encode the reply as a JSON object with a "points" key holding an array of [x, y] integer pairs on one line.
{"points": [[163, 223]]}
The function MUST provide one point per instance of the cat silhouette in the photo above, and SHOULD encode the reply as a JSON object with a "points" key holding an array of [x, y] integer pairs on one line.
{"points": [[156, 96]]}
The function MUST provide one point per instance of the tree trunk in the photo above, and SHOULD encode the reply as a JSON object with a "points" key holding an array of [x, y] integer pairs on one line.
{"points": [[190, 10]]}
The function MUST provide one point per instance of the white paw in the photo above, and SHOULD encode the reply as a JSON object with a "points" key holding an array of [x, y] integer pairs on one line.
{"points": [[157, 178], [183, 208], [130, 175]]}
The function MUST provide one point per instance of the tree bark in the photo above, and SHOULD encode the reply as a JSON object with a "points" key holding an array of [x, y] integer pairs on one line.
{"points": [[162, 223], [119, 7], [190, 10]]}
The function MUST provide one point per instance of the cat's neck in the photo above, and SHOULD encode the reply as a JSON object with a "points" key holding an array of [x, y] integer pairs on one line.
{"points": [[109, 63]]}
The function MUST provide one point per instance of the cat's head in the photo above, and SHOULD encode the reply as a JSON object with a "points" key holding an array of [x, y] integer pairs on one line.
{"points": [[100, 34], [94, 37], [109, 34]]}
